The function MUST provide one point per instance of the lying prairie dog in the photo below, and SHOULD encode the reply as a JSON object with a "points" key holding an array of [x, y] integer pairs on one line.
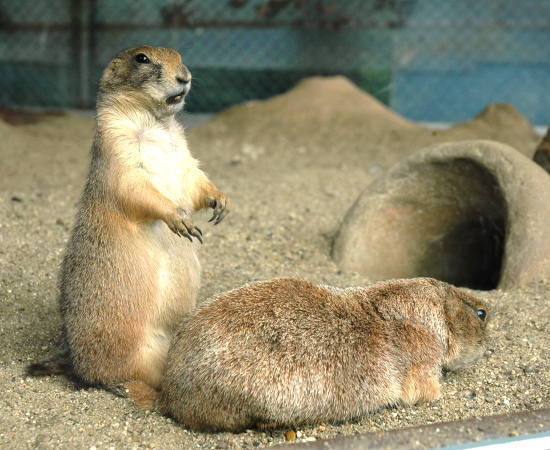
{"points": [[286, 352], [131, 270]]}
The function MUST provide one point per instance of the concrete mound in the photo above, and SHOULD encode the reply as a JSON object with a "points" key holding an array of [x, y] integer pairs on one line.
{"points": [[472, 213]]}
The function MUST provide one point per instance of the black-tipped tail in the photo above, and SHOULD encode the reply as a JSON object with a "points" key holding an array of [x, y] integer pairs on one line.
{"points": [[57, 366]]}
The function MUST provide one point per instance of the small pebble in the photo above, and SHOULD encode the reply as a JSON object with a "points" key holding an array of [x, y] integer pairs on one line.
{"points": [[290, 435]]}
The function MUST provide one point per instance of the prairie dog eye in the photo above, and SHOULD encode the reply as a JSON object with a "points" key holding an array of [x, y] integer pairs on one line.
{"points": [[481, 313], [142, 58]]}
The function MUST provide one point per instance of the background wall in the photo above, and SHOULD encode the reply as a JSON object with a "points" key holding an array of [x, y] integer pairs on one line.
{"points": [[428, 59]]}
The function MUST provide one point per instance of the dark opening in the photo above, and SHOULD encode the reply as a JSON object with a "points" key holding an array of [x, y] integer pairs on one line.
{"points": [[470, 254], [467, 250]]}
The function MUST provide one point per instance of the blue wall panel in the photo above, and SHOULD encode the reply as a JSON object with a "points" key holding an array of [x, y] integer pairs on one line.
{"points": [[448, 67], [430, 60]]}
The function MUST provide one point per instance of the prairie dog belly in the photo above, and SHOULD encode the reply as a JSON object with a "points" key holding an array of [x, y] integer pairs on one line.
{"points": [[177, 274], [172, 170], [166, 159]]}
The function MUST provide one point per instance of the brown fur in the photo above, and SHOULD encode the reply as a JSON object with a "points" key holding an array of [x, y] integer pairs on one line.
{"points": [[286, 352], [542, 154], [130, 272]]}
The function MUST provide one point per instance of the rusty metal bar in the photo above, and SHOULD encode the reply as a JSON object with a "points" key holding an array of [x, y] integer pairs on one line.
{"points": [[34, 27]]}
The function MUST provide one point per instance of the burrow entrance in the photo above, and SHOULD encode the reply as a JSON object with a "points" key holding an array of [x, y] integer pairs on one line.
{"points": [[445, 220]]}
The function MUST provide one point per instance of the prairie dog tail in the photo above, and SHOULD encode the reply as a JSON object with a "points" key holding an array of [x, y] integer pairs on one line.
{"points": [[58, 365], [144, 395]]}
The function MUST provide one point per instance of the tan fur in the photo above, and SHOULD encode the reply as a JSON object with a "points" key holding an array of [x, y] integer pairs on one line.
{"points": [[142, 393], [286, 352], [130, 272]]}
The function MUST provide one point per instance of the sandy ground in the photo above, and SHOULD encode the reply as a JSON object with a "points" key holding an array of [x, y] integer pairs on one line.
{"points": [[293, 166]]}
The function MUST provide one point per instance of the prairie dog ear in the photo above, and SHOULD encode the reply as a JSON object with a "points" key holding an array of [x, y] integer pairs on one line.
{"points": [[458, 301], [111, 73], [452, 307]]}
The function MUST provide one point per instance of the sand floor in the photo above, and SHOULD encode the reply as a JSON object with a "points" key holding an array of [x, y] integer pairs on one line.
{"points": [[292, 165]]}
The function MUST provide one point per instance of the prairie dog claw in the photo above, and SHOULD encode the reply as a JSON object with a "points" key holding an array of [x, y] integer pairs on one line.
{"points": [[220, 207], [182, 225]]}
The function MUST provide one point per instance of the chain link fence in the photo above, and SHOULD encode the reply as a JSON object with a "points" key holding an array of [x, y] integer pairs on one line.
{"points": [[428, 59]]}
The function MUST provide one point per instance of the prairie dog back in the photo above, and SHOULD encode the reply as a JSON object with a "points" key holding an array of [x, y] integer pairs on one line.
{"points": [[286, 352]]}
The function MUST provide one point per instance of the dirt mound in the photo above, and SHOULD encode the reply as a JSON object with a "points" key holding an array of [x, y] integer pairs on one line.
{"points": [[499, 122], [328, 115], [332, 119], [320, 100]]}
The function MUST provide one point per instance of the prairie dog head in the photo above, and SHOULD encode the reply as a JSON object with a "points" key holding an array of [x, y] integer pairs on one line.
{"points": [[466, 318], [149, 77]]}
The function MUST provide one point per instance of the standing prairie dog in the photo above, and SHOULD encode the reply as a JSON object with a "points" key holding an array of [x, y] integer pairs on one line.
{"points": [[286, 352], [131, 270]]}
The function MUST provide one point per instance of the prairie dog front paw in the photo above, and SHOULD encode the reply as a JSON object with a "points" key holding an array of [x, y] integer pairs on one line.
{"points": [[181, 223], [221, 206]]}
